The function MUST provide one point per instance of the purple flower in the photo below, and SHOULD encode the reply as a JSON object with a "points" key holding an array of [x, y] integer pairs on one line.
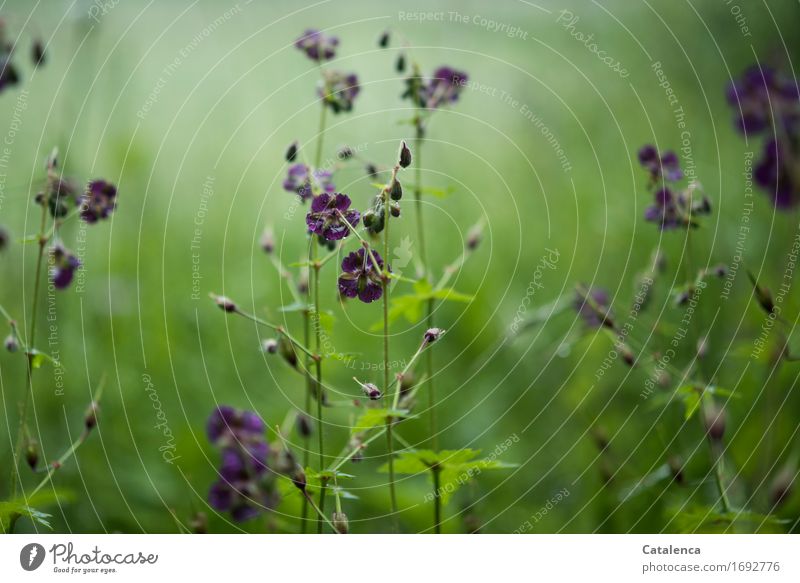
{"points": [[664, 211], [666, 165], [244, 487], [317, 45], [4, 238], [325, 218], [301, 181], [593, 306], [99, 201], [760, 95], [360, 278], [339, 90], [8, 73], [445, 87], [773, 173], [62, 266]]}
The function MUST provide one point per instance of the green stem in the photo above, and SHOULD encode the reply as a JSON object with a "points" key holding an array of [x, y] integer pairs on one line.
{"points": [[318, 362], [437, 502], [307, 411], [387, 221]]}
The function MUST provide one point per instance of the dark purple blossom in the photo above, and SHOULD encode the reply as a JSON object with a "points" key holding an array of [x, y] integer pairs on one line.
{"points": [[301, 181], [317, 45], [244, 486], [594, 307], [442, 89], [360, 278], [63, 265], [761, 96], [339, 90], [8, 73], [325, 217], [667, 165], [99, 201], [774, 173]]}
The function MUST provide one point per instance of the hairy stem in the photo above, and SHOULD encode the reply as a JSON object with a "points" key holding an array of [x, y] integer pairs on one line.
{"points": [[386, 281]]}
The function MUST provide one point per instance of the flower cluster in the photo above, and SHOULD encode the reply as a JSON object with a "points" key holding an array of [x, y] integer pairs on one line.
{"points": [[63, 264], [442, 89], [303, 182], [593, 307], [672, 207], [339, 90], [245, 486], [768, 103], [361, 278], [99, 201], [317, 45], [330, 215]]}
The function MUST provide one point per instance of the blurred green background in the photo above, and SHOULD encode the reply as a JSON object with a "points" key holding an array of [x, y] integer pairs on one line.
{"points": [[131, 93]]}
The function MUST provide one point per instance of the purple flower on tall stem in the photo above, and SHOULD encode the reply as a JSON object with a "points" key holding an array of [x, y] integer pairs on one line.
{"points": [[301, 181], [594, 307], [762, 96], [445, 87], [666, 166], [773, 173], [325, 217], [317, 45], [63, 266], [99, 201], [360, 278], [339, 90], [244, 486]]}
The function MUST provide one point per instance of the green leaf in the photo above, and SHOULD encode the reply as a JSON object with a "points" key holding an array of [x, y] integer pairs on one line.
{"points": [[375, 417], [691, 404], [26, 508], [702, 519]]}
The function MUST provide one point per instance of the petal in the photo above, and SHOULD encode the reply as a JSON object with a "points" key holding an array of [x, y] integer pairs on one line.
{"points": [[370, 292], [348, 287], [320, 203], [352, 263]]}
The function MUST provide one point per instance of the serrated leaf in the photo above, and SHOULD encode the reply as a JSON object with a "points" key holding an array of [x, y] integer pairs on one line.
{"points": [[705, 520], [375, 417], [27, 508]]}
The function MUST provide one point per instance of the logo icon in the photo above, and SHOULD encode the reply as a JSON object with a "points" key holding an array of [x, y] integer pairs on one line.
{"points": [[31, 556]]}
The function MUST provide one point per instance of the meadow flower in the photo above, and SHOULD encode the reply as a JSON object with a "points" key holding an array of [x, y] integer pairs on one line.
{"points": [[63, 266], [317, 45], [760, 96], [339, 90], [226, 425], [303, 182], [8, 73], [594, 307], [99, 201], [773, 173], [360, 278], [442, 89], [61, 194], [325, 217], [666, 166]]}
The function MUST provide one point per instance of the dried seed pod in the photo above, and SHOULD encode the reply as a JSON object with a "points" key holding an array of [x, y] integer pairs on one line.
{"points": [[396, 192], [90, 418], [304, 425], [714, 419], [383, 40], [287, 351], [32, 453], [394, 209], [291, 152], [400, 64]]}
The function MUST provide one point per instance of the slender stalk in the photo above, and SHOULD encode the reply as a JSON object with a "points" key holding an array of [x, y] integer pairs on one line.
{"points": [[387, 221], [306, 410], [437, 501]]}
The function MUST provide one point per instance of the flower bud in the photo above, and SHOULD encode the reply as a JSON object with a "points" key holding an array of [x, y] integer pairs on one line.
{"points": [[396, 191], [394, 209], [372, 170], [383, 40], [268, 241], [299, 478], [287, 351], [37, 52], [372, 392], [340, 523], [627, 354], [714, 419], [291, 152], [302, 282], [32, 454], [781, 487], [4, 237], [763, 295], [199, 523], [225, 304], [270, 346], [720, 270], [432, 335], [11, 343], [90, 418], [474, 237], [345, 153], [405, 156], [400, 65], [368, 218], [303, 424], [702, 347]]}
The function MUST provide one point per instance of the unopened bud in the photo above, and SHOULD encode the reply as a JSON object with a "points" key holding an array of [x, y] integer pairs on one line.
{"points": [[372, 392], [627, 354], [781, 486], [32, 454], [676, 467], [714, 419], [270, 346], [394, 209], [287, 351], [299, 478], [225, 304], [268, 241], [405, 156], [474, 237], [400, 65], [368, 218], [291, 152], [340, 523], [702, 347], [396, 191], [720, 270], [345, 153], [90, 419], [432, 335], [199, 523], [303, 424], [372, 170], [11, 343], [37, 52], [383, 40], [763, 295]]}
